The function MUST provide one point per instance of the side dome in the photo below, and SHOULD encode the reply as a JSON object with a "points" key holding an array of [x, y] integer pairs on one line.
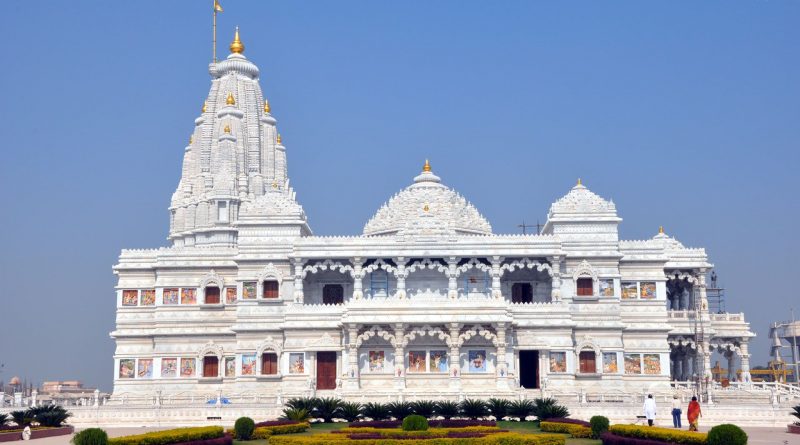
{"points": [[427, 208]]}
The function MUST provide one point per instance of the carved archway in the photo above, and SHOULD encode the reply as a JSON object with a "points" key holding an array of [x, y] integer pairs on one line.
{"points": [[476, 331], [375, 332], [269, 272], [212, 278], [428, 331], [328, 265], [526, 263]]}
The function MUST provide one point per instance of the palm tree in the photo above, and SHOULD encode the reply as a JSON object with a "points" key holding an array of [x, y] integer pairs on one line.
{"points": [[424, 408], [498, 408], [328, 408], [296, 414], [350, 411], [375, 411], [473, 408], [549, 409], [399, 410], [447, 409], [521, 409]]}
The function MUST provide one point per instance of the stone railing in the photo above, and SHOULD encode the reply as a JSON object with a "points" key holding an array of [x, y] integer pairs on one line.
{"points": [[727, 317], [681, 314]]}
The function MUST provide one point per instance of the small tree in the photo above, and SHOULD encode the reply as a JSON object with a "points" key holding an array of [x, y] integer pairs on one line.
{"points": [[498, 408], [548, 408], [328, 408], [90, 436], [473, 408], [350, 411], [424, 408], [447, 409], [243, 428], [599, 425], [521, 409], [727, 434], [399, 410], [415, 422], [375, 411]]}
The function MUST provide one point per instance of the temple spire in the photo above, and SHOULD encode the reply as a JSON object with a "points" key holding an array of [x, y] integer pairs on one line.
{"points": [[427, 167], [237, 46]]}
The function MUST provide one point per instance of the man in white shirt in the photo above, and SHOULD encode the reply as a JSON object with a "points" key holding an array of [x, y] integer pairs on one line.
{"points": [[650, 409]]}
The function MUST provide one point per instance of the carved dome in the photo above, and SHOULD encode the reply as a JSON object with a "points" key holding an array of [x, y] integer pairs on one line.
{"points": [[582, 201], [427, 208]]}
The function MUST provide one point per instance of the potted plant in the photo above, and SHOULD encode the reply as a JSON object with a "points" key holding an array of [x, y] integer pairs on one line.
{"points": [[795, 427]]}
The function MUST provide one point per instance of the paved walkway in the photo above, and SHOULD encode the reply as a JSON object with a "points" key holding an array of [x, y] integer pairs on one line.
{"points": [[758, 436]]}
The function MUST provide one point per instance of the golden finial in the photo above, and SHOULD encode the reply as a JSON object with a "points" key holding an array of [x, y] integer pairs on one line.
{"points": [[579, 181], [205, 106], [427, 167], [266, 106], [237, 46], [230, 100], [426, 208], [275, 185], [660, 230], [227, 129], [279, 139], [191, 138]]}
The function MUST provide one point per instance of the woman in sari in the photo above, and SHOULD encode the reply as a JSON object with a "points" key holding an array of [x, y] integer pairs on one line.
{"points": [[693, 414]]}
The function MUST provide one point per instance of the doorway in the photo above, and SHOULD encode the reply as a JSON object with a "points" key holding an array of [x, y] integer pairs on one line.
{"points": [[326, 370], [529, 369]]}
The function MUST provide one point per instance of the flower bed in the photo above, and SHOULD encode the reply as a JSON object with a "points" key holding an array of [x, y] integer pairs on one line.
{"points": [[278, 423], [663, 435], [207, 435], [437, 432], [575, 430], [613, 439], [504, 438], [568, 420], [12, 435], [264, 432]]}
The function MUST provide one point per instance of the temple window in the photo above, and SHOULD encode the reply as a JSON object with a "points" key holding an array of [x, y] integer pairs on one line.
{"points": [[379, 283], [585, 287], [521, 293], [269, 363], [332, 294], [210, 366], [587, 362], [212, 295], [222, 211], [271, 289]]}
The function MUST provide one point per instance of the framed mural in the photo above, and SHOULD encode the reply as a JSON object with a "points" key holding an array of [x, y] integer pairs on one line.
{"points": [[652, 364], [647, 289], [188, 296], [230, 295], [633, 363], [249, 290], [169, 367], [477, 360], [297, 363], [377, 361], [145, 368], [170, 296], [148, 297], [558, 361], [606, 288], [126, 368], [249, 364], [629, 290], [439, 362], [610, 363], [417, 361], [230, 366], [130, 297], [188, 367]]}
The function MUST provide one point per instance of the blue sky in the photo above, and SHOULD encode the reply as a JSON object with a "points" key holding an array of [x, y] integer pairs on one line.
{"points": [[685, 113]]}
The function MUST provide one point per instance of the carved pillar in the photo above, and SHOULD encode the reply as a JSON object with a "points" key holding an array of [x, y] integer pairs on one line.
{"points": [[358, 276], [501, 371], [555, 263], [400, 274], [455, 356], [399, 356], [731, 363], [298, 280], [685, 364], [353, 377], [452, 280], [745, 361], [701, 287], [496, 290], [704, 361]]}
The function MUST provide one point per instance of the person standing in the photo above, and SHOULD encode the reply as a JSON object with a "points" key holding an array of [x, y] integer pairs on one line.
{"points": [[676, 411], [693, 414], [650, 409]]}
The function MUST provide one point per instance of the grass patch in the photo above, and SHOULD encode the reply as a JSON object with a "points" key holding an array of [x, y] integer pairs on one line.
{"points": [[520, 427]]}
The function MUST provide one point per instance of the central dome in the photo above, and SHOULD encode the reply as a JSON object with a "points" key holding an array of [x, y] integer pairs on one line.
{"points": [[427, 208]]}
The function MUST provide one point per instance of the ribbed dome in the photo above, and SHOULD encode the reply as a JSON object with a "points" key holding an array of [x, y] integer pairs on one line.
{"points": [[427, 208]]}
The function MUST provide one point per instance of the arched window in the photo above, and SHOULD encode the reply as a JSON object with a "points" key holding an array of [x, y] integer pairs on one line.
{"points": [[271, 289], [212, 295], [210, 366], [332, 294], [587, 362], [585, 287]]}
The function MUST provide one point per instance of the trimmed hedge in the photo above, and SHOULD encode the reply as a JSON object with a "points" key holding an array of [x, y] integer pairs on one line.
{"points": [[599, 425], [169, 437], [727, 434], [441, 423], [492, 439], [415, 422], [435, 432], [243, 428], [266, 432], [90, 436], [573, 429], [660, 434]]}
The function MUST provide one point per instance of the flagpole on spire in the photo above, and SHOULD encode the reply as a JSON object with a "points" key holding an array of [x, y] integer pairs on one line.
{"points": [[217, 8]]}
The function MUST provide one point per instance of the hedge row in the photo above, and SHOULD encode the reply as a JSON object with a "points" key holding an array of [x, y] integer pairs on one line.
{"points": [[493, 439], [573, 429], [659, 434], [265, 432], [429, 431], [168, 437]]}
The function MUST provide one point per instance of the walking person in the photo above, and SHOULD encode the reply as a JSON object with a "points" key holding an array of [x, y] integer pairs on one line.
{"points": [[650, 409], [676, 411], [693, 414]]}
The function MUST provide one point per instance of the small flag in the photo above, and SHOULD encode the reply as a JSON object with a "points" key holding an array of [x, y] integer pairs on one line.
{"points": [[217, 6]]}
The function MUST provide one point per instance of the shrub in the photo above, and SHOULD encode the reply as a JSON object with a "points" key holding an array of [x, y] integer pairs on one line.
{"points": [[521, 409], [668, 435], [167, 437], [399, 410], [90, 436], [549, 408], [4, 419], [727, 434], [307, 403], [573, 429], [295, 414], [599, 425], [350, 411], [447, 409], [424, 408], [21, 418], [568, 420], [498, 408], [276, 423], [796, 413], [415, 422], [473, 408], [328, 408], [50, 415], [375, 411], [243, 428]]}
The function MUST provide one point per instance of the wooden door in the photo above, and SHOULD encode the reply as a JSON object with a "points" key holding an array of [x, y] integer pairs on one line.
{"points": [[588, 365], [269, 363], [210, 367], [271, 289], [326, 370], [212, 295]]}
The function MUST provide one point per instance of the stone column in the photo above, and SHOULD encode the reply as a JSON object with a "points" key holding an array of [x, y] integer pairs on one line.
{"points": [[358, 292], [353, 377], [34, 394], [686, 362], [731, 363], [701, 287], [455, 357], [399, 356], [96, 397], [501, 371], [400, 275], [452, 280], [555, 263], [298, 280], [496, 289], [745, 361]]}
